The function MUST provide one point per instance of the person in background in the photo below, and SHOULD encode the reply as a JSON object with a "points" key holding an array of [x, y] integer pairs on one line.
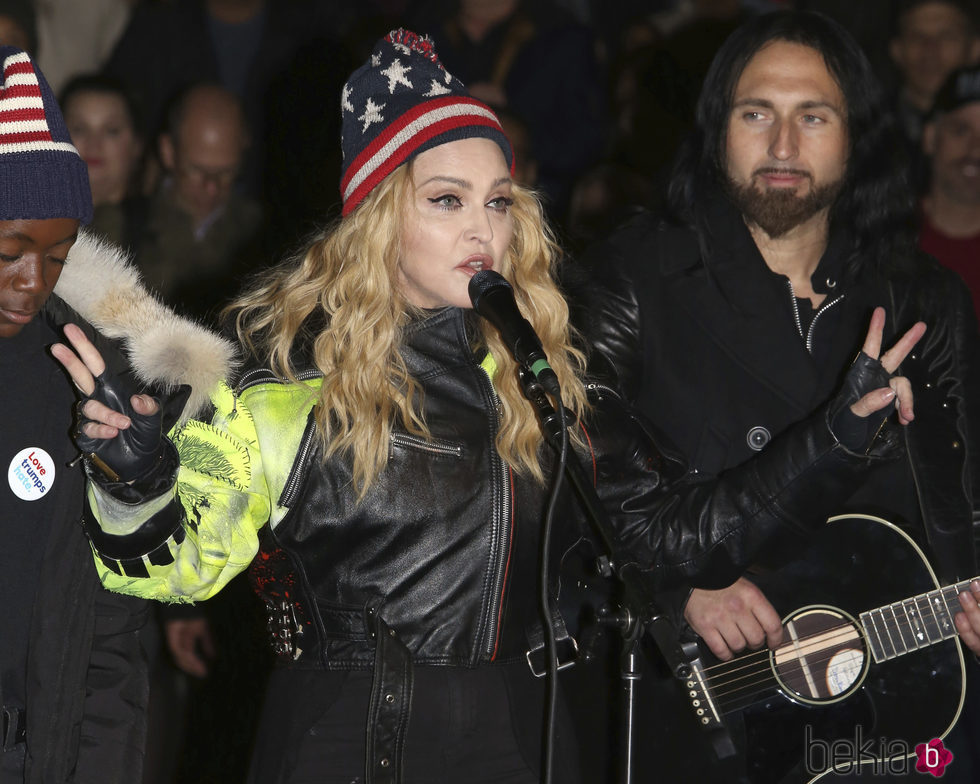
{"points": [[73, 672], [535, 59], [243, 45], [201, 234], [103, 120], [949, 211], [76, 38], [929, 40]]}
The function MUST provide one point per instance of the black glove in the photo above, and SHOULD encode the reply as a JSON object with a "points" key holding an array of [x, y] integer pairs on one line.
{"points": [[136, 452], [855, 432]]}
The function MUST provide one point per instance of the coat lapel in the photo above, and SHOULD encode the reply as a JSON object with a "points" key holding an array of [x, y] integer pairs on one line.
{"points": [[745, 312]]}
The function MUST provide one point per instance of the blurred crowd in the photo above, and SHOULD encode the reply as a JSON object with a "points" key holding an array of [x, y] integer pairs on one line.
{"points": [[210, 130], [210, 126]]}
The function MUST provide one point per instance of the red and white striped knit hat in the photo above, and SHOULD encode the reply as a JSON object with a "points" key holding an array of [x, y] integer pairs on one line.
{"points": [[399, 103], [41, 173]]}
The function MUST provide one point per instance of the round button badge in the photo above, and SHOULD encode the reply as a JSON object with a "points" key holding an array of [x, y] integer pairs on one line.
{"points": [[31, 473]]}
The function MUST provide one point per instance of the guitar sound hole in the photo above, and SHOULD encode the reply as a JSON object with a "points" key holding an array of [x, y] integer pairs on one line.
{"points": [[823, 657]]}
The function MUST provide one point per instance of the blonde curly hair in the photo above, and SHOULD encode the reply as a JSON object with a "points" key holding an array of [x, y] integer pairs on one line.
{"points": [[347, 279]]}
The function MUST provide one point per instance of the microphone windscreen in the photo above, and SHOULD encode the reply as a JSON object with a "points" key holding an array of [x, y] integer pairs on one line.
{"points": [[481, 282]]}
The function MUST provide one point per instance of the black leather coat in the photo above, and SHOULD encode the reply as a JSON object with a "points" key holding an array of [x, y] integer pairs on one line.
{"points": [[444, 548], [710, 352]]}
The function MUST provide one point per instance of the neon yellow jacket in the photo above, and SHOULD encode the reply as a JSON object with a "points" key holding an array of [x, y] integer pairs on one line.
{"points": [[227, 487]]}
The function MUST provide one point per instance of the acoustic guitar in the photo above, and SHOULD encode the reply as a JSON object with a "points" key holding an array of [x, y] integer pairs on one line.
{"points": [[870, 665]]}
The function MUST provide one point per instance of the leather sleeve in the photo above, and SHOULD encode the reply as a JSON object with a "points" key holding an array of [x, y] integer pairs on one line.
{"points": [[944, 439], [605, 307], [676, 528], [967, 340]]}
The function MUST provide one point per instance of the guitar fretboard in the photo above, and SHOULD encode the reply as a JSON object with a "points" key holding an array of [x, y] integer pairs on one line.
{"points": [[917, 622]]}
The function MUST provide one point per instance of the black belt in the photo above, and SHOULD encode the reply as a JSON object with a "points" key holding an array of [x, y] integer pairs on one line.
{"points": [[390, 706], [14, 727]]}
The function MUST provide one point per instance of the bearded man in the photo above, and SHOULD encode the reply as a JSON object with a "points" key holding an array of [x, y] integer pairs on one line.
{"points": [[734, 316]]}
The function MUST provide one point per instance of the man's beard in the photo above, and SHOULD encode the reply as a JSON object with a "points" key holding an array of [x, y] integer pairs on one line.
{"points": [[777, 210]]}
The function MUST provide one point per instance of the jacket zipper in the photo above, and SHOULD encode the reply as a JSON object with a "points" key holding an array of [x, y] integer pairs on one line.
{"points": [[433, 447], [262, 375], [306, 446], [808, 337], [299, 463], [502, 533]]}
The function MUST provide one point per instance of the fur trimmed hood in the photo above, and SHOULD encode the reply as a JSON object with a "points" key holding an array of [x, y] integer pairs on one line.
{"points": [[103, 287]]}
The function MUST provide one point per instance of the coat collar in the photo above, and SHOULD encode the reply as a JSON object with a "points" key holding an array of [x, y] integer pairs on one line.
{"points": [[165, 349], [437, 340], [744, 307]]}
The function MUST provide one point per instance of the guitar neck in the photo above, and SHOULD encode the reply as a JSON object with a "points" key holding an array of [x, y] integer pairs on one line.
{"points": [[913, 623]]}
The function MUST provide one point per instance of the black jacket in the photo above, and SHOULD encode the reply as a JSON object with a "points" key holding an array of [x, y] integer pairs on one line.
{"points": [[85, 687], [438, 563], [710, 352], [87, 683], [444, 547]]}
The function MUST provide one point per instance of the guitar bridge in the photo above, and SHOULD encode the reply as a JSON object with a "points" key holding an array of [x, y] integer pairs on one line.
{"points": [[700, 699]]}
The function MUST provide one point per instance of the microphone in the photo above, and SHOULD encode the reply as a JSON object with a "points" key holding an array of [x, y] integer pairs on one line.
{"points": [[493, 299]]}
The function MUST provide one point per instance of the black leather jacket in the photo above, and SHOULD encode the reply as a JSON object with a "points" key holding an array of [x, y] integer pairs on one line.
{"points": [[669, 327], [444, 548], [438, 563]]}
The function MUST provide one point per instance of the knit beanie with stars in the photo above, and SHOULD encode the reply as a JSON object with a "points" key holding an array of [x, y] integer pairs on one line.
{"points": [[41, 173], [400, 102]]}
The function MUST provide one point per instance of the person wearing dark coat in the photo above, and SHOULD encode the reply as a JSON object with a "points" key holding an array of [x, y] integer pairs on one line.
{"points": [[788, 225], [73, 669]]}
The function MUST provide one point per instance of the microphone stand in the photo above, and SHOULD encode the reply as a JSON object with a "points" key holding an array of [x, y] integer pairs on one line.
{"points": [[638, 612]]}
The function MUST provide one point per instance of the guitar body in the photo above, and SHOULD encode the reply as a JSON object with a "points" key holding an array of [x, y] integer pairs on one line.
{"points": [[875, 712]]}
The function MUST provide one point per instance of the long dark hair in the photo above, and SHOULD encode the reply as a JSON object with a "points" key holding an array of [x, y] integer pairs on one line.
{"points": [[875, 208]]}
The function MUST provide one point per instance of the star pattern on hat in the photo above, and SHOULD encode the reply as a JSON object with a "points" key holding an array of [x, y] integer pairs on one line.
{"points": [[372, 114], [436, 89], [402, 101], [397, 74], [401, 47]]}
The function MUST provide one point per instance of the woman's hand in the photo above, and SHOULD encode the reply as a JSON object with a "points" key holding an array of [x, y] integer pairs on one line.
{"points": [[83, 367], [118, 430]]}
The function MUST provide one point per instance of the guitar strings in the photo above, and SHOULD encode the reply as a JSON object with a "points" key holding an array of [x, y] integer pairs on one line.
{"points": [[892, 629], [757, 675], [730, 687], [762, 679]]}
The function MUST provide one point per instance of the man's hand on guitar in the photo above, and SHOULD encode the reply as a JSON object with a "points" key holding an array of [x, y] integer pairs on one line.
{"points": [[733, 618], [968, 621]]}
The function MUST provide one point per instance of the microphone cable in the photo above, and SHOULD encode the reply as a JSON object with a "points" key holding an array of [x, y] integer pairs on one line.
{"points": [[550, 645]]}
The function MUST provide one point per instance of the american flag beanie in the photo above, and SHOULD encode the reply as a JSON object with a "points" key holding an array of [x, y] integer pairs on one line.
{"points": [[41, 173], [400, 102]]}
